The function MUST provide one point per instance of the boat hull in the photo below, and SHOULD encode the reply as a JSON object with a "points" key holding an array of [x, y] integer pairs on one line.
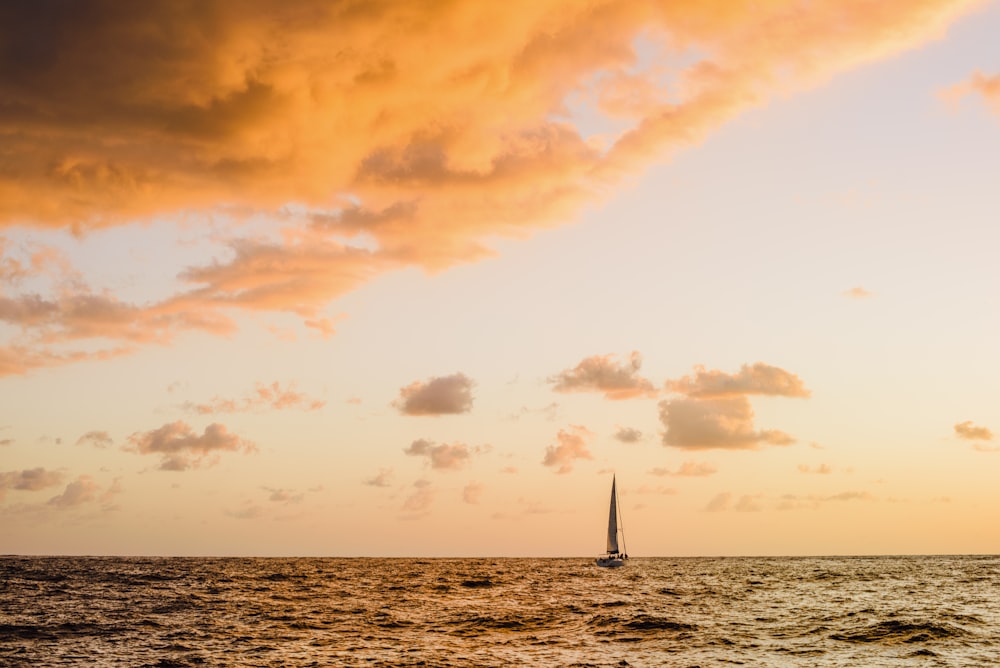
{"points": [[609, 562]]}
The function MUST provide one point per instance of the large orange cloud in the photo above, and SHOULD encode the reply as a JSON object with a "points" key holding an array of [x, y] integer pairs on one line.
{"points": [[375, 135]]}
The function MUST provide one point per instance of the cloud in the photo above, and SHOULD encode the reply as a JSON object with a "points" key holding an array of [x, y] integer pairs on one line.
{"points": [[438, 396], [687, 470], [822, 469], [727, 423], [716, 413], [97, 439], [30, 480], [80, 491], [858, 292], [460, 129], [571, 445], [758, 378], [181, 448], [472, 493], [719, 502], [970, 432], [420, 501], [272, 397], [601, 373], [6, 441], [628, 435], [381, 479], [985, 86], [250, 512], [278, 495], [443, 457]]}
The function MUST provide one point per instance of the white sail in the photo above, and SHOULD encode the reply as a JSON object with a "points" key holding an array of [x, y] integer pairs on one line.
{"points": [[613, 522]]}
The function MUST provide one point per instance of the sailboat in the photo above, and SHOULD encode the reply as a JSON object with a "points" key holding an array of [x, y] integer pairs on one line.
{"points": [[615, 557]]}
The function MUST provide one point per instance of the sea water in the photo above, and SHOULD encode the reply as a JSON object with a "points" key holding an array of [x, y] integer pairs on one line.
{"points": [[829, 611]]}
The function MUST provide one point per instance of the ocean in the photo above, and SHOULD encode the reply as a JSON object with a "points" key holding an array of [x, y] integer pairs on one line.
{"points": [[802, 611]]}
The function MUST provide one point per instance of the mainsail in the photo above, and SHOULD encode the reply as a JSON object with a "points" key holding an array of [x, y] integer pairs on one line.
{"points": [[613, 522]]}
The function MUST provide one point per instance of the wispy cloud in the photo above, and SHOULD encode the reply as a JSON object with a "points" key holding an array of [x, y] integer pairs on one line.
{"points": [[272, 397], [380, 479], [822, 469], [443, 456], [472, 493], [181, 448], [420, 501], [571, 445], [687, 470], [444, 395], [97, 439], [30, 480], [985, 86], [858, 292], [80, 491], [603, 374], [759, 378]]}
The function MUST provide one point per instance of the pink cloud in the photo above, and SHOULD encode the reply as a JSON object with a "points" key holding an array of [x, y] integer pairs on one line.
{"points": [[571, 445], [628, 435], [272, 397], [601, 373], [28, 480], [97, 439], [472, 493], [438, 396], [687, 469], [758, 378], [443, 457], [80, 491], [181, 448]]}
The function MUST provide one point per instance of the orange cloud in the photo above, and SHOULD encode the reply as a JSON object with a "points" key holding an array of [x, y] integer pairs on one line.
{"points": [[600, 373], [687, 469], [443, 456], [420, 501], [380, 479], [571, 445], [375, 136], [181, 448], [78, 492], [438, 396], [472, 493], [858, 292], [28, 479], [987, 87], [271, 396], [759, 378], [970, 432], [97, 439], [726, 423]]}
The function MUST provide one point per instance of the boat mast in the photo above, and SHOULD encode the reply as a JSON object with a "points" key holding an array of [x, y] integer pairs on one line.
{"points": [[621, 526]]}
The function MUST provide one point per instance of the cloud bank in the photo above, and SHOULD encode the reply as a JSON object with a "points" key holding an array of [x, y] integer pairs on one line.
{"points": [[460, 128]]}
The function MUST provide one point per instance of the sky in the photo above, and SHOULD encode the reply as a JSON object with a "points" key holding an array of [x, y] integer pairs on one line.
{"points": [[417, 279]]}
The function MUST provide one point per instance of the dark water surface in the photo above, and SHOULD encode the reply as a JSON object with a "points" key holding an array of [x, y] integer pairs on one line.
{"points": [[834, 611]]}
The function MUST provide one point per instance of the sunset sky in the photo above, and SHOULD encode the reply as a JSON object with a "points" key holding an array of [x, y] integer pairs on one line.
{"points": [[416, 278]]}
